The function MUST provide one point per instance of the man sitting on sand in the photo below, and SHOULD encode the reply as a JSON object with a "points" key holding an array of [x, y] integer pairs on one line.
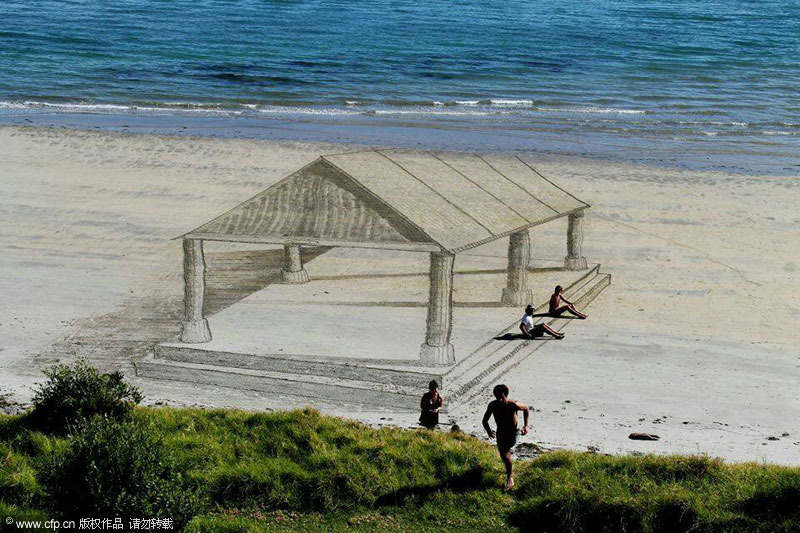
{"points": [[559, 304], [505, 417], [531, 330]]}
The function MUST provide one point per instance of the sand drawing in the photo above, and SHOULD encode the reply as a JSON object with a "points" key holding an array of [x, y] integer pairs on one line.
{"points": [[341, 337]]}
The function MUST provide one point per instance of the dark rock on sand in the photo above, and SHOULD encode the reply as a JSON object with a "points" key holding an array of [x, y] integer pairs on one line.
{"points": [[643, 436]]}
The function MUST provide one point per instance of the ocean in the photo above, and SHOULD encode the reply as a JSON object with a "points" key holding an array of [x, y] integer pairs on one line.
{"points": [[700, 84]]}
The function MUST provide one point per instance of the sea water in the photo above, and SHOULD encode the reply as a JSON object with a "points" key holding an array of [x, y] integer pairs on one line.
{"points": [[703, 82]]}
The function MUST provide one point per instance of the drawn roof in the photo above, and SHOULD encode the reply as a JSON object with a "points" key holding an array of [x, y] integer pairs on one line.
{"points": [[397, 200]]}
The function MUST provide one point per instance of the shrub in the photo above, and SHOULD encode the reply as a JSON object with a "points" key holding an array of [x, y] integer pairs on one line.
{"points": [[118, 470], [78, 392]]}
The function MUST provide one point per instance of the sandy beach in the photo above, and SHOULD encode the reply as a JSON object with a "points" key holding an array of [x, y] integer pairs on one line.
{"points": [[696, 340]]}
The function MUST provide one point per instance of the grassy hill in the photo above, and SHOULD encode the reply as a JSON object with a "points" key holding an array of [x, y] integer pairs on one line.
{"points": [[227, 470]]}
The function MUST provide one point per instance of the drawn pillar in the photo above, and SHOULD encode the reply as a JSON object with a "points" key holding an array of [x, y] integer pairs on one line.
{"points": [[516, 292], [575, 259], [437, 350], [293, 271], [195, 326]]}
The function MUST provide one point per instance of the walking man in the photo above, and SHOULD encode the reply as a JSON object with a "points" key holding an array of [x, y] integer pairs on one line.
{"points": [[505, 418]]}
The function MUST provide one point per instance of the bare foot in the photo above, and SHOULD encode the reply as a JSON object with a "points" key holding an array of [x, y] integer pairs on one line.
{"points": [[510, 483]]}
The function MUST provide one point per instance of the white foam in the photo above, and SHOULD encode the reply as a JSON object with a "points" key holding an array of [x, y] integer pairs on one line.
{"points": [[714, 123], [282, 110], [200, 105], [430, 112], [85, 107], [184, 110], [598, 110], [78, 106], [512, 103]]}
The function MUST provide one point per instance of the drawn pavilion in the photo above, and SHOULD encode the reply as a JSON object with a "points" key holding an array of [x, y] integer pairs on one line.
{"points": [[396, 200]]}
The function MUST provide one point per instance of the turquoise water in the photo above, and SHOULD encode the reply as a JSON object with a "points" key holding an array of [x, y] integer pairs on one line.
{"points": [[705, 77]]}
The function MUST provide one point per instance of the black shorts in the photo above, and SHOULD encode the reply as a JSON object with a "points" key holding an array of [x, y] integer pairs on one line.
{"points": [[429, 419], [536, 331], [506, 441]]}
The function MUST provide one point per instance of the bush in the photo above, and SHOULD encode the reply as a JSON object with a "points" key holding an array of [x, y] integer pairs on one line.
{"points": [[78, 392], [118, 470]]}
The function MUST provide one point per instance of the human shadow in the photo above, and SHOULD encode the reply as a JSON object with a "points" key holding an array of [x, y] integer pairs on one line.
{"points": [[515, 337], [548, 315], [472, 479]]}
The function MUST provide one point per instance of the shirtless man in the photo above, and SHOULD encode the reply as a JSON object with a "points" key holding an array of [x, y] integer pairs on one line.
{"points": [[531, 330], [505, 417], [559, 304]]}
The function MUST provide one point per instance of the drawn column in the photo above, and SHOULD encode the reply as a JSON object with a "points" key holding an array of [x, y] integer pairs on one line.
{"points": [[293, 271], [195, 326], [437, 350], [575, 259], [516, 292]]}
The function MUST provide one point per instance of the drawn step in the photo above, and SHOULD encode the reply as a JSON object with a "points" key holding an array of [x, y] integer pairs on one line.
{"points": [[282, 383], [351, 369], [495, 361]]}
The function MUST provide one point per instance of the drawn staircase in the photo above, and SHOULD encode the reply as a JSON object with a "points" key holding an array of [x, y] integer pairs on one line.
{"points": [[352, 381], [486, 365]]}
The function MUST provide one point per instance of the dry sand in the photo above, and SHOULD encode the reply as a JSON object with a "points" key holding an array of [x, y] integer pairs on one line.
{"points": [[696, 340]]}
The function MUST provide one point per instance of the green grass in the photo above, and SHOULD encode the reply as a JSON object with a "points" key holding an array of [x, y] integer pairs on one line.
{"points": [[575, 492], [444, 510], [301, 471]]}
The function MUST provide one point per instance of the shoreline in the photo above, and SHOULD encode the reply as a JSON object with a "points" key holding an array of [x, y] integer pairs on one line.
{"points": [[730, 155], [699, 323]]}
